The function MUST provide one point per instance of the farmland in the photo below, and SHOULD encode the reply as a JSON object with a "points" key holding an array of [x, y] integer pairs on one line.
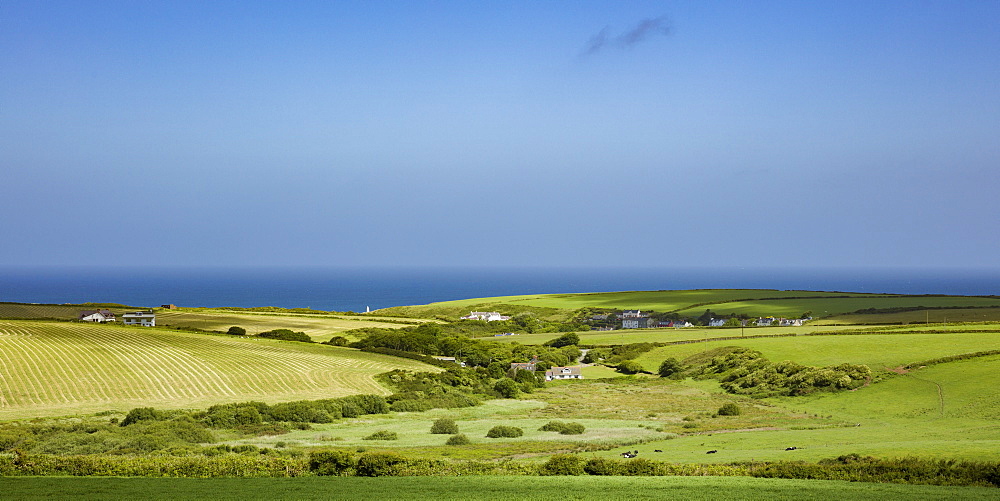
{"points": [[319, 325], [753, 302], [57, 368]]}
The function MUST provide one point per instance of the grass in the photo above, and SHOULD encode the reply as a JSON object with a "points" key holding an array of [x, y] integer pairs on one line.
{"points": [[475, 488], [917, 317], [667, 335], [60, 368], [754, 302], [320, 327], [875, 350]]}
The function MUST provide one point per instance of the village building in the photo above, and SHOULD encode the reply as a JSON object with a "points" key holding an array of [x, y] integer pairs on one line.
{"points": [[143, 318], [100, 316], [489, 316], [563, 373], [526, 366]]}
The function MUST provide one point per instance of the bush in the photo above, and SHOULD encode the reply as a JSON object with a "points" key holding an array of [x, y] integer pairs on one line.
{"points": [[562, 464], [565, 340], [459, 439], [286, 335], [563, 428], [379, 464], [602, 466], [669, 367], [237, 331], [729, 409], [630, 367], [507, 388], [382, 435], [332, 463], [502, 431], [338, 341], [444, 427], [140, 414]]}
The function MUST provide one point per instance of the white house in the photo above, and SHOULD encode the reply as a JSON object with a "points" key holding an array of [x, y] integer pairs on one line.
{"points": [[635, 323], [488, 316], [717, 322], [96, 316], [144, 318], [563, 373], [790, 322], [765, 322]]}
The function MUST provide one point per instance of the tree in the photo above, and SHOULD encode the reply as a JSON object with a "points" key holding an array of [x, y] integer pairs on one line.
{"points": [[237, 331], [507, 388], [630, 367], [669, 367], [444, 426], [565, 340]]}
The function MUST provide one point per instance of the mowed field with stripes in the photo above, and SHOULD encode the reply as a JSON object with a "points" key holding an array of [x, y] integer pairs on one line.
{"points": [[62, 368]]}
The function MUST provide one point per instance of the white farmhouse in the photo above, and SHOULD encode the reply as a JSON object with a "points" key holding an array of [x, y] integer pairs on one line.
{"points": [[100, 316], [489, 316], [143, 318], [563, 373]]}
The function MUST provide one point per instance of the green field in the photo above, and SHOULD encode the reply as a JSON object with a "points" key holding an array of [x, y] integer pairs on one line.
{"points": [[320, 327], [59, 368], [476, 488], [753, 302], [670, 335], [875, 350]]}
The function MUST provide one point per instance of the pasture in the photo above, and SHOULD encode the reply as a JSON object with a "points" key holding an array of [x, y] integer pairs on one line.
{"points": [[487, 488], [878, 351], [320, 327], [61, 368], [668, 335], [753, 302], [945, 411]]}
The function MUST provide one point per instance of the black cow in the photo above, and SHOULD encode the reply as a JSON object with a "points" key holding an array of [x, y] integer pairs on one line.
{"points": [[657, 450], [713, 451], [790, 448]]}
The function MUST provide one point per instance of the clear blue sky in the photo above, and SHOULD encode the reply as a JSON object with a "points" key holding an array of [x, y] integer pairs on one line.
{"points": [[696, 133]]}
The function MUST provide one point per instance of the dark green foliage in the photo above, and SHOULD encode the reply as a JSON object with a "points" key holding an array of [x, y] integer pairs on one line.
{"points": [[630, 367], [747, 372], [444, 426], [595, 355], [565, 340], [335, 463], [563, 428], [562, 464], [458, 439], [379, 464], [670, 367], [338, 341], [286, 335], [502, 431], [729, 409], [382, 435], [602, 466], [507, 388], [140, 414], [237, 331]]}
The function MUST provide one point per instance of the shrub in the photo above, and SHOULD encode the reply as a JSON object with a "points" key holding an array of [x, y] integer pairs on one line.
{"points": [[507, 388], [563, 428], [502, 431], [602, 466], [565, 340], [237, 331], [332, 463], [286, 335], [140, 414], [459, 439], [338, 341], [669, 367], [562, 464], [630, 367], [729, 409], [379, 464], [444, 427], [382, 435]]}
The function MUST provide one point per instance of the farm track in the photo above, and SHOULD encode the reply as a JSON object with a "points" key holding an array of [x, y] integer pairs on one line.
{"points": [[59, 367]]}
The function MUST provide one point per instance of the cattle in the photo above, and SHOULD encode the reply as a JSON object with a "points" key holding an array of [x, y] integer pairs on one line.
{"points": [[790, 448], [657, 450], [713, 451]]}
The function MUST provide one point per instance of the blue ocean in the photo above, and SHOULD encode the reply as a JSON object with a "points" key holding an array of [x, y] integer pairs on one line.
{"points": [[355, 289]]}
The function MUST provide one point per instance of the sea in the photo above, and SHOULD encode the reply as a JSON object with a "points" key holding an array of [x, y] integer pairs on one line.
{"points": [[361, 288]]}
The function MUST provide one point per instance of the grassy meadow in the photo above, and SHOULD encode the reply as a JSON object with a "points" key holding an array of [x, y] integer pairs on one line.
{"points": [[60, 368], [753, 302], [491, 488]]}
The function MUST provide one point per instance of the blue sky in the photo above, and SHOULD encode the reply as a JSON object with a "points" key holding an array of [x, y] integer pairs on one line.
{"points": [[512, 133]]}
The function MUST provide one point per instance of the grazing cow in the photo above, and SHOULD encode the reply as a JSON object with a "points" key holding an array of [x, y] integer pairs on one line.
{"points": [[713, 451], [657, 450], [790, 448]]}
